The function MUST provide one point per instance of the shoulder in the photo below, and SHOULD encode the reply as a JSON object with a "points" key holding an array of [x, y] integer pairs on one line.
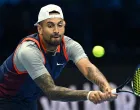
{"points": [[26, 51], [69, 42], [28, 44], [66, 38], [27, 48]]}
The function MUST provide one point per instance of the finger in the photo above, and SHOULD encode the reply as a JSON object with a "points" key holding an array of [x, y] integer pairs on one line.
{"points": [[93, 98], [107, 89], [109, 94], [103, 96], [106, 96], [111, 97], [98, 97]]}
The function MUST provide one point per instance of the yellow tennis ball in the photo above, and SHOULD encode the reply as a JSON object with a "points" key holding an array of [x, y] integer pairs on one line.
{"points": [[98, 51]]}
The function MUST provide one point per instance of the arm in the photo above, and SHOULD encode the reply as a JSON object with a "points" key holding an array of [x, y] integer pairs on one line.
{"points": [[46, 83], [92, 73], [32, 60]]}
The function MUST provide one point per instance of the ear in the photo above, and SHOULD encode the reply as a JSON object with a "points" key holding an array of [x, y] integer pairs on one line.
{"points": [[64, 23], [39, 28]]}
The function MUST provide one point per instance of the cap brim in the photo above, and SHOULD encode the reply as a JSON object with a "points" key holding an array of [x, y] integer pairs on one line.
{"points": [[36, 24]]}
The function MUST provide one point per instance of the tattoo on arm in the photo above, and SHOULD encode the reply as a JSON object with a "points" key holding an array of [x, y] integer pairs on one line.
{"points": [[46, 83], [94, 75]]}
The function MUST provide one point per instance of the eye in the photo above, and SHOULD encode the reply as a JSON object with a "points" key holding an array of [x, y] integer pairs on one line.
{"points": [[60, 25], [50, 25]]}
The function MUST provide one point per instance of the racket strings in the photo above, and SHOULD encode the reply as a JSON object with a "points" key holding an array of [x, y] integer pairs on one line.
{"points": [[136, 82]]}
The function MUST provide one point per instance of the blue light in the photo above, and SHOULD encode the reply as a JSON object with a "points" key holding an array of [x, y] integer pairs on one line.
{"points": [[14, 2], [107, 3], [2, 2], [138, 2], [115, 3]]}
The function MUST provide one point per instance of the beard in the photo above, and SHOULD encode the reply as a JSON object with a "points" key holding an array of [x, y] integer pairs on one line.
{"points": [[54, 40]]}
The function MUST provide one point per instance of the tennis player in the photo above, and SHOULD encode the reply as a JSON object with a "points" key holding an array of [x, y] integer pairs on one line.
{"points": [[39, 59]]}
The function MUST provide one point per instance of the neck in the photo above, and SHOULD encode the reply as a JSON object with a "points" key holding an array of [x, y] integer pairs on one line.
{"points": [[51, 48]]}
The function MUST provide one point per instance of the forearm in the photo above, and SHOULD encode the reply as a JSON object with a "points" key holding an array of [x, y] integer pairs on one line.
{"points": [[66, 94], [94, 75], [46, 83]]}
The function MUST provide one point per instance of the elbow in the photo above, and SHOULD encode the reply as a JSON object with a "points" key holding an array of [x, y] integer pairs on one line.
{"points": [[50, 93]]}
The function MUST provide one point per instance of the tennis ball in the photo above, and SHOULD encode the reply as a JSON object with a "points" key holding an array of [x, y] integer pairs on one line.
{"points": [[98, 51]]}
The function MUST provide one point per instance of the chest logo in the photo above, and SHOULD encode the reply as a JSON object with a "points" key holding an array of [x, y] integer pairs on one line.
{"points": [[59, 64]]}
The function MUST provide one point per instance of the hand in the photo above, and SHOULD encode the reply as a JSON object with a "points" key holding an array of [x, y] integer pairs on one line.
{"points": [[98, 97], [111, 96]]}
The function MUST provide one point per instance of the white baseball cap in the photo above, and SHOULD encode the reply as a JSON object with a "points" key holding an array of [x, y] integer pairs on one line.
{"points": [[44, 13]]}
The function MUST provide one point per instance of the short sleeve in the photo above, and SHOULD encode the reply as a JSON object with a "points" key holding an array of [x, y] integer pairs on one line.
{"points": [[31, 59], [75, 51]]}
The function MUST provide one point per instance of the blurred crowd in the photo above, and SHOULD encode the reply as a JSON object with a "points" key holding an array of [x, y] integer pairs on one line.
{"points": [[113, 24]]}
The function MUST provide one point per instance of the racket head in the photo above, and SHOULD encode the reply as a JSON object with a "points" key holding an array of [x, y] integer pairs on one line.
{"points": [[135, 82]]}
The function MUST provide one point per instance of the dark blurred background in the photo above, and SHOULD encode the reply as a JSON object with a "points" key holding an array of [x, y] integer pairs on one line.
{"points": [[114, 24]]}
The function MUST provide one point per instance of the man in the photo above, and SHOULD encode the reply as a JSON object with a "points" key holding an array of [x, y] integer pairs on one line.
{"points": [[39, 59]]}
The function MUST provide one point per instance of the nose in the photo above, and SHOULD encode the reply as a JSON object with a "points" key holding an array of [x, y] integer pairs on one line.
{"points": [[56, 29]]}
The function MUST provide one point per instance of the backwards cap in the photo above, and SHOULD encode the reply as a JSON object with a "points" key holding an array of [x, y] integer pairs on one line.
{"points": [[45, 13]]}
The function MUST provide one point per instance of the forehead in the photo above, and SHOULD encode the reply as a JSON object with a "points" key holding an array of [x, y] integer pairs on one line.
{"points": [[53, 20]]}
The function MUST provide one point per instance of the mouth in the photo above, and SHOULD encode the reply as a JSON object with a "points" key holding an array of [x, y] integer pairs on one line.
{"points": [[55, 40], [56, 36]]}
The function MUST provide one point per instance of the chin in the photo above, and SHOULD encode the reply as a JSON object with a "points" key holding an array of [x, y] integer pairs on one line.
{"points": [[55, 43]]}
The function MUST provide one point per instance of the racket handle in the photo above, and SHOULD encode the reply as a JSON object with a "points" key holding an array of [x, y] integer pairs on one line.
{"points": [[114, 91]]}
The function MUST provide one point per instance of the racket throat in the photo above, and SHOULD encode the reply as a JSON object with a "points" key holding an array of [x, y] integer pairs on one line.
{"points": [[124, 91]]}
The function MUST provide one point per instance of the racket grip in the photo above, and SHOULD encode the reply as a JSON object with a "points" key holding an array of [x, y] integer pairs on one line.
{"points": [[114, 91]]}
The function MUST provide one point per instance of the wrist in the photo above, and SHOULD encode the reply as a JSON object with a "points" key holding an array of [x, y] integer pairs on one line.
{"points": [[88, 95], [106, 88]]}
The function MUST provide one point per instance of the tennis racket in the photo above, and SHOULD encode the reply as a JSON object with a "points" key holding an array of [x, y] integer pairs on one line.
{"points": [[135, 84]]}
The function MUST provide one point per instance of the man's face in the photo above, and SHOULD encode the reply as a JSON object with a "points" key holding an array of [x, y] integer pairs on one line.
{"points": [[52, 30]]}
